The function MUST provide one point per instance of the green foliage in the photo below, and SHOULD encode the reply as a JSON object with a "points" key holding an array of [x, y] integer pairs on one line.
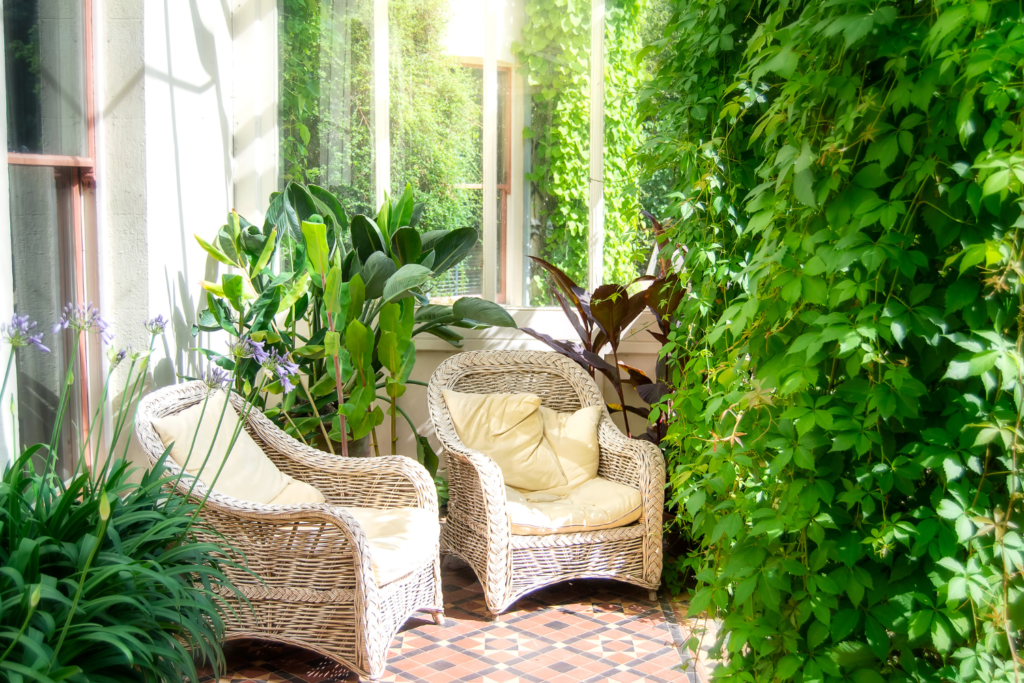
{"points": [[555, 56], [301, 76], [344, 306], [327, 107], [103, 578], [143, 596], [848, 375]]}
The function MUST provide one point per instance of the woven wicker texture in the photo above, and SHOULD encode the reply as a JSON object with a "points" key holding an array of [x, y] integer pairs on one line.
{"points": [[478, 528], [314, 584]]}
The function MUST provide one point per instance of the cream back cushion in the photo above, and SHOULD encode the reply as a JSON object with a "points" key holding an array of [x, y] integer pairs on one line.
{"points": [[248, 473], [509, 429], [573, 438]]}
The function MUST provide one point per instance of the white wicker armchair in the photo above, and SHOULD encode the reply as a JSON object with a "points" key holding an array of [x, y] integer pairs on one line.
{"points": [[478, 529], [314, 583]]}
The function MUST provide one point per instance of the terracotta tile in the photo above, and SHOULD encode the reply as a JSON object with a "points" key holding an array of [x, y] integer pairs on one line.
{"points": [[592, 631]]}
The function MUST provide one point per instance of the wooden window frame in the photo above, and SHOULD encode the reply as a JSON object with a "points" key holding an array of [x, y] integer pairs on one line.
{"points": [[83, 175]]}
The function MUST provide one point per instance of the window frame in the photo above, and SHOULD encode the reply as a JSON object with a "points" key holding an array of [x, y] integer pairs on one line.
{"points": [[82, 172]]}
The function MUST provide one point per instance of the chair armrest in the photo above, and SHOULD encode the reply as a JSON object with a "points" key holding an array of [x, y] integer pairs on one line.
{"points": [[633, 462], [390, 481], [314, 551], [476, 490]]}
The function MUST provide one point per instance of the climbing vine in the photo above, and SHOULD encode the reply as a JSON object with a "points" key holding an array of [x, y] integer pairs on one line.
{"points": [[554, 54], [846, 421]]}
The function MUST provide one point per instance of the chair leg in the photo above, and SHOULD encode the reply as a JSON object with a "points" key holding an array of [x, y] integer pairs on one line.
{"points": [[438, 617], [653, 596]]}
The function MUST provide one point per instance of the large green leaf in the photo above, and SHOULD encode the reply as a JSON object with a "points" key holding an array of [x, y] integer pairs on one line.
{"points": [[366, 237], [453, 248], [336, 295], [317, 251], [268, 252], [406, 278], [294, 292], [302, 202], [281, 214], [401, 214], [264, 308], [481, 311], [376, 271], [406, 246], [332, 204], [435, 313], [233, 287], [429, 240], [357, 296], [213, 251]]}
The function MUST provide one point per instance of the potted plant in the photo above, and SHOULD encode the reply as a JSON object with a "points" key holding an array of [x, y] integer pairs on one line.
{"points": [[102, 578], [337, 303]]}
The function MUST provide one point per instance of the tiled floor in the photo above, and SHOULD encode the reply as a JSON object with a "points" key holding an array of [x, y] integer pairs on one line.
{"points": [[578, 632]]}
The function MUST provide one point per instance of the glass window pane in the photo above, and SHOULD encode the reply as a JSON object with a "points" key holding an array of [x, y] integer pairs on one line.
{"points": [[44, 56], [436, 115], [42, 222], [628, 241], [327, 131], [554, 54], [436, 130]]}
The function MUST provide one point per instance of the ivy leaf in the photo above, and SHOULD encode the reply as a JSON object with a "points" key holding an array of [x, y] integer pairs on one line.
{"points": [[961, 293], [803, 188], [941, 635], [844, 622], [878, 638]]}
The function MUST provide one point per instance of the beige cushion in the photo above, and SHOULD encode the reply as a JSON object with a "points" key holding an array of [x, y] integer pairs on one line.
{"points": [[248, 473], [573, 438], [596, 504], [509, 429], [296, 492], [401, 539]]}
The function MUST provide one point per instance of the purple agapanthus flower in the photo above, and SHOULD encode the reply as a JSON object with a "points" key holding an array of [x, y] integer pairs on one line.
{"points": [[278, 365], [216, 378], [156, 325], [85, 318], [248, 348], [19, 333], [115, 357]]}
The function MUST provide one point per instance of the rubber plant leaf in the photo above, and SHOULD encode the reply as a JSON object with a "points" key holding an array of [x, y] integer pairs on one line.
{"points": [[409, 276], [406, 246], [366, 237]]}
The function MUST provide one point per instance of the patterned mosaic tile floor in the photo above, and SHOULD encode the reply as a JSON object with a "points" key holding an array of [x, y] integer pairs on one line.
{"points": [[578, 632]]}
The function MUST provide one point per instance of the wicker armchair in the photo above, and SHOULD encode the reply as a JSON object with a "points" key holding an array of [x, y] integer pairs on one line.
{"points": [[314, 583], [478, 529]]}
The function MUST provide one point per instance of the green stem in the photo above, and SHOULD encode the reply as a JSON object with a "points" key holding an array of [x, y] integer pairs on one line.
{"points": [[24, 625], [247, 407], [404, 414], [51, 456], [81, 586], [394, 426]]}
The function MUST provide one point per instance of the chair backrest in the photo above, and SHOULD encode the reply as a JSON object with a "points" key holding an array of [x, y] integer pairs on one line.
{"points": [[561, 384], [169, 401]]}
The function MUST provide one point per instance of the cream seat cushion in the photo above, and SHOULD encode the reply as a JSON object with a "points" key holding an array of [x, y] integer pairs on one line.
{"points": [[401, 539], [595, 504], [509, 429], [248, 473]]}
